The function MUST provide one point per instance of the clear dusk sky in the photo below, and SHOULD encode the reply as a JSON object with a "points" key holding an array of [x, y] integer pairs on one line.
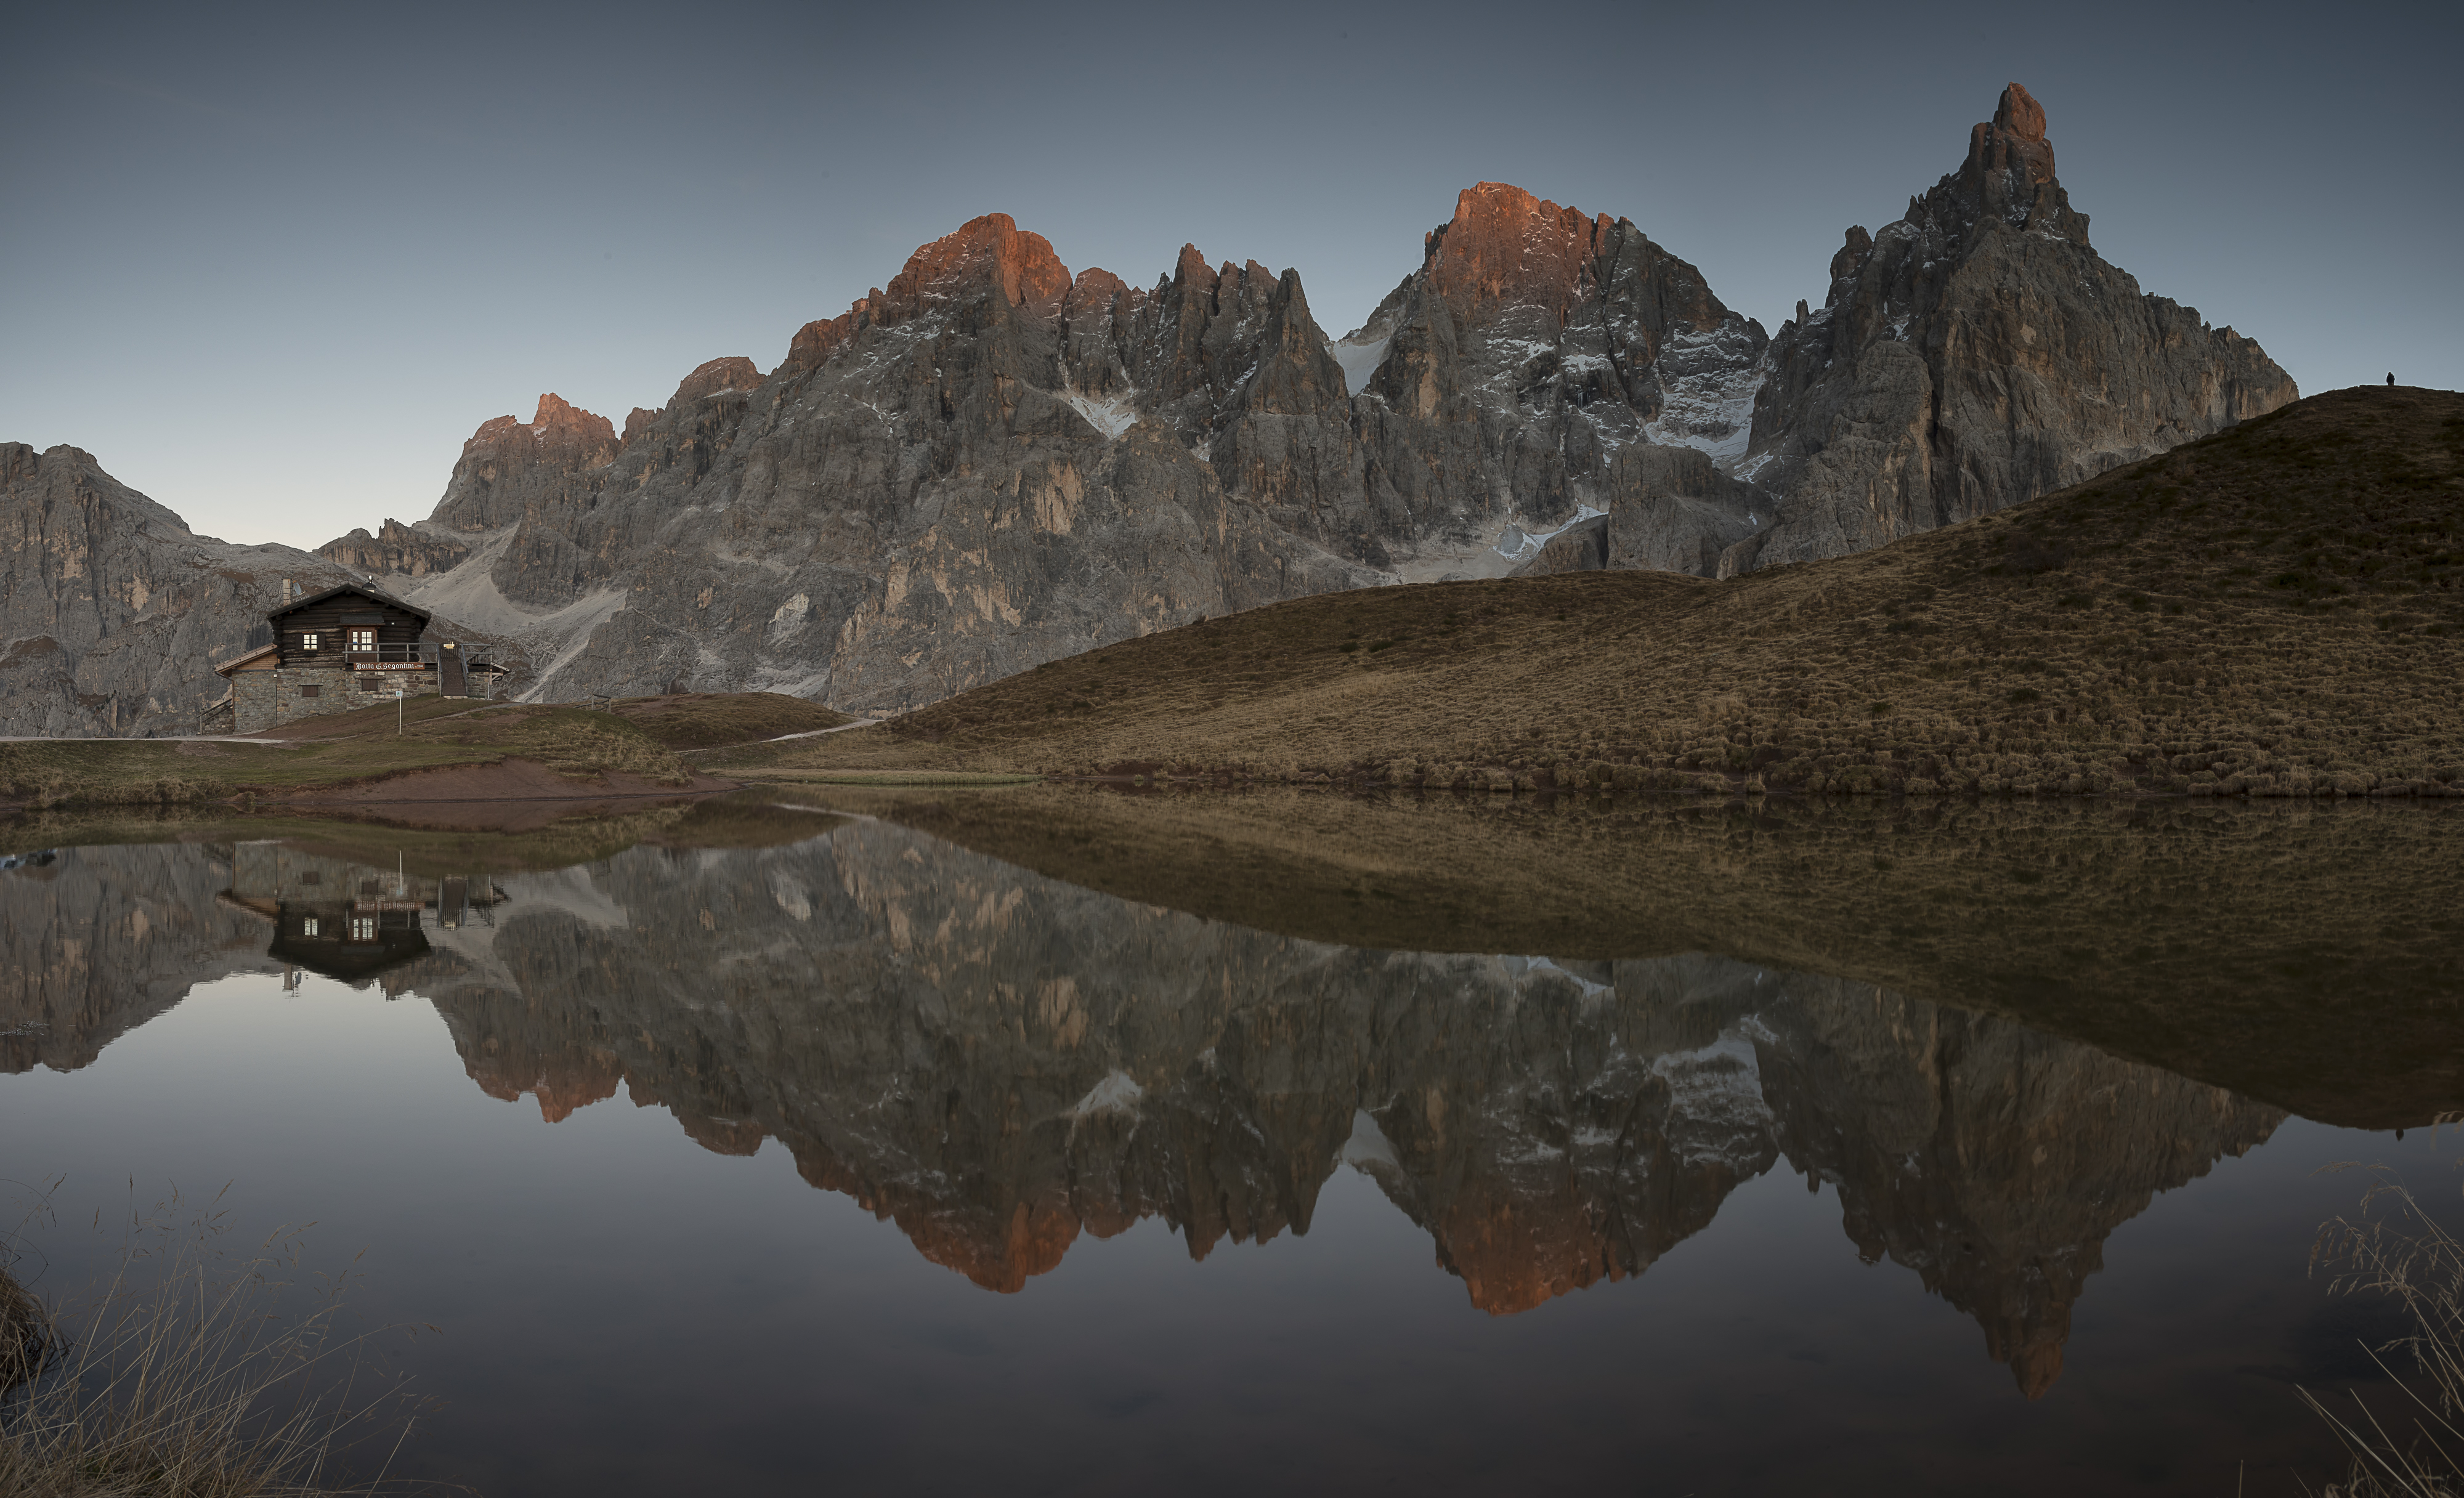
{"points": [[271, 267]]}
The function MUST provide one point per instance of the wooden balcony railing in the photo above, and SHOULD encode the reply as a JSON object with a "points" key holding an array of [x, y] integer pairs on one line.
{"points": [[393, 653]]}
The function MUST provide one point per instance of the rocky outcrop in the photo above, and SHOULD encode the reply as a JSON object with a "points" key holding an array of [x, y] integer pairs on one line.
{"points": [[511, 467], [734, 373], [1976, 353], [397, 550], [1671, 510], [112, 611]]}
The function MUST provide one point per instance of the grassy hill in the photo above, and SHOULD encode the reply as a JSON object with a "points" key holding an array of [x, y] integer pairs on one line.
{"points": [[2278, 609]]}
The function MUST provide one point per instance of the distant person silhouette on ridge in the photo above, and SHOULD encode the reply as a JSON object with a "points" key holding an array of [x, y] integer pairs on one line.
{"points": [[2391, 377]]}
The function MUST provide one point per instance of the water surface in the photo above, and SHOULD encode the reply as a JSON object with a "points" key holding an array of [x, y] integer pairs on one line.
{"points": [[865, 1161]]}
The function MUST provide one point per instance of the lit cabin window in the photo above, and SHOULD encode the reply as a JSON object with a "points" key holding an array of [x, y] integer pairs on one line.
{"points": [[363, 928], [364, 639], [308, 641], [307, 925]]}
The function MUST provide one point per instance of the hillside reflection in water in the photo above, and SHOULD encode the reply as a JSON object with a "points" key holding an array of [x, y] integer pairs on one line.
{"points": [[1005, 1065]]}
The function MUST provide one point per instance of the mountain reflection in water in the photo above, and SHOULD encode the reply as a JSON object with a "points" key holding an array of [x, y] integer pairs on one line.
{"points": [[998, 1062]]}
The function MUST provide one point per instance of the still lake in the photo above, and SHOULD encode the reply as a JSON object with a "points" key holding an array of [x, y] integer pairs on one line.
{"points": [[851, 1156]]}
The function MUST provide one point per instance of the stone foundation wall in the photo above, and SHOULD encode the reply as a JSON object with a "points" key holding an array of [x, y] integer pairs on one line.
{"points": [[263, 699]]}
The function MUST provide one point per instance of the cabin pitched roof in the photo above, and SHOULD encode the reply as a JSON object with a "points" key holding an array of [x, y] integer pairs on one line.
{"points": [[362, 589], [225, 668]]}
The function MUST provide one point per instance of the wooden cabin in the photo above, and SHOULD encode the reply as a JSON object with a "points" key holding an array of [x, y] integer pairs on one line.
{"points": [[348, 647], [351, 627]]}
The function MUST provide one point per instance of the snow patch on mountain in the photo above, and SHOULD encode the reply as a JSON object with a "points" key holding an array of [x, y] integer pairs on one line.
{"points": [[1516, 544], [1112, 415], [1117, 1093], [1707, 382], [1360, 355]]}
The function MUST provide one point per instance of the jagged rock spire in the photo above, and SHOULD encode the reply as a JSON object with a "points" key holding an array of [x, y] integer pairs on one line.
{"points": [[1976, 353]]}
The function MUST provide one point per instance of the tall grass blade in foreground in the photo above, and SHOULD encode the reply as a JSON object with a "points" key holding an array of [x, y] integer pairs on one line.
{"points": [[193, 1374], [2403, 1251]]}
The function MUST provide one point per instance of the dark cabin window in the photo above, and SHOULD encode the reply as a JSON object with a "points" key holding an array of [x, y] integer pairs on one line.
{"points": [[307, 692], [364, 639], [308, 641], [307, 925]]}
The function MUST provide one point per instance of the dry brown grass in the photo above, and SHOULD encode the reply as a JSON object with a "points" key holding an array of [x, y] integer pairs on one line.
{"points": [[579, 744], [715, 720], [22, 1335], [2404, 1252], [193, 1376], [136, 772], [636, 736], [353, 748], [2272, 611]]}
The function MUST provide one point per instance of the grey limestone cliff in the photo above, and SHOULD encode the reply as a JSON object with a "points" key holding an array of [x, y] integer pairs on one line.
{"points": [[1539, 366], [112, 611], [114, 614], [1976, 353], [989, 465], [995, 463]]}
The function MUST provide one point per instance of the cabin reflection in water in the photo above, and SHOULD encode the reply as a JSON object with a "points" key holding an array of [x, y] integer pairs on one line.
{"points": [[348, 921]]}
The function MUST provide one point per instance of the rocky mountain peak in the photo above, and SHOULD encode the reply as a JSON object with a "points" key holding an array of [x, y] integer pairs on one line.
{"points": [[1095, 287], [991, 249], [2009, 174], [983, 254], [1535, 344], [1505, 246], [735, 373], [504, 455], [1899, 406], [2019, 114], [1191, 270], [556, 418]]}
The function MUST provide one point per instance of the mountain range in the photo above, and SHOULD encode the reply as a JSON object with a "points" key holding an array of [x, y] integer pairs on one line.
{"points": [[995, 462]]}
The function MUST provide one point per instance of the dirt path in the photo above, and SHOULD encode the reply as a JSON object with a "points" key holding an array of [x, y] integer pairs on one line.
{"points": [[810, 733]]}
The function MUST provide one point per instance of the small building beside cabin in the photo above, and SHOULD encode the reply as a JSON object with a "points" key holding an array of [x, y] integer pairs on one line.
{"points": [[336, 651]]}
